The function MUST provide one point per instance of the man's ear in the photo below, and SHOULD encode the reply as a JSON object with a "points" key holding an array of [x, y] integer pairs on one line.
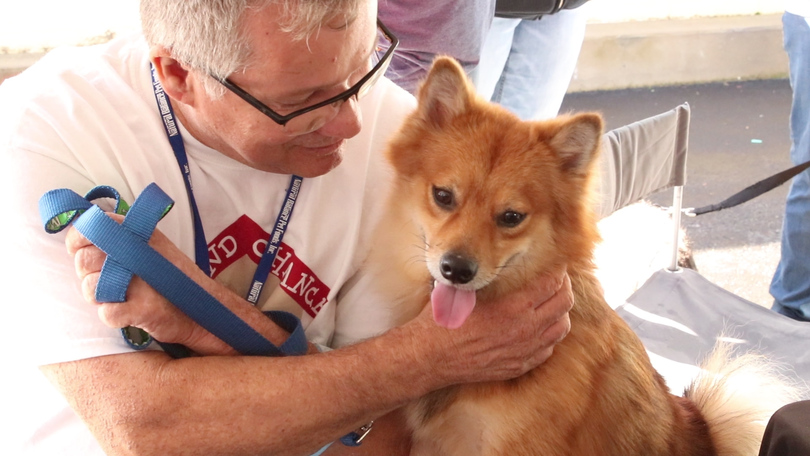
{"points": [[174, 77]]}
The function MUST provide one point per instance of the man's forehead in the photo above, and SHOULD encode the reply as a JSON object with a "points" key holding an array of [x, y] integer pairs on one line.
{"points": [[276, 25], [301, 19], [325, 58]]}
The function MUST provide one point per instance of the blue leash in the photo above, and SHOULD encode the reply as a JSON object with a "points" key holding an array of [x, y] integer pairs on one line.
{"points": [[128, 254]]}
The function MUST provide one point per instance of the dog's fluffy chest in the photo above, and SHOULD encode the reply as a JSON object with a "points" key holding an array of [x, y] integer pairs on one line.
{"points": [[548, 406]]}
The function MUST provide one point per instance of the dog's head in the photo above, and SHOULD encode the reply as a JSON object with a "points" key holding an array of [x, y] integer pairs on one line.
{"points": [[497, 200]]}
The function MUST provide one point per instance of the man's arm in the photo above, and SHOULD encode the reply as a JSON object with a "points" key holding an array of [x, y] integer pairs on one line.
{"points": [[146, 402]]}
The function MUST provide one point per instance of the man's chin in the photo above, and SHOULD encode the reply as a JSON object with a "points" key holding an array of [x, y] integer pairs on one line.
{"points": [[315, 170], [320, 162]]}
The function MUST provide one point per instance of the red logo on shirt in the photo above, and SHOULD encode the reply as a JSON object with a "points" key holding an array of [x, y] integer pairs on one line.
{"points": [[244, 237]]}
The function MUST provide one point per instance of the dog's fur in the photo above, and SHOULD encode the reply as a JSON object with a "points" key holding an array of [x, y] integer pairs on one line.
{"points": [[598, 394]]}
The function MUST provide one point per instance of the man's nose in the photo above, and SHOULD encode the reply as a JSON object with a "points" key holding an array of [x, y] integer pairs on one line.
{"points": [[347, 123]]}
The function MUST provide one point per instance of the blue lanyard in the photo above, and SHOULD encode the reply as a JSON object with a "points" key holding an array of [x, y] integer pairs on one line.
{"points": [[200, 246], [176, 141], [273, 244]]}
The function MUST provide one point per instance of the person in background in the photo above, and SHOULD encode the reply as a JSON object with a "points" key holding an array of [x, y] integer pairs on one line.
{"points": [[790, 286], [429, 28], [527, 61]]}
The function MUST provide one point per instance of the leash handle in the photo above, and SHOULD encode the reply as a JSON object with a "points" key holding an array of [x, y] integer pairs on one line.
{"points": [[128, 254], [58, 210]]}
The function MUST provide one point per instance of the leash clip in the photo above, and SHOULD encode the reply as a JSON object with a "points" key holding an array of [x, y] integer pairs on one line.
{"points": [[363, 432], [356, 438], [689, 212]]}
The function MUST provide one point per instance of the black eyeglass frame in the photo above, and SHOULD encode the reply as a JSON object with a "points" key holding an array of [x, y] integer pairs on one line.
{"points": [[352, 91]]}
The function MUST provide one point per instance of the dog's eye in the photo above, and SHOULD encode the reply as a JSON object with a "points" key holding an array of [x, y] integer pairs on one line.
{"points": [[444, 198], [510, 219]]}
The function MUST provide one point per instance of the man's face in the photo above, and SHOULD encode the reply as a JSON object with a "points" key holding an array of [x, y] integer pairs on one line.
{"points": [[288, 75]]}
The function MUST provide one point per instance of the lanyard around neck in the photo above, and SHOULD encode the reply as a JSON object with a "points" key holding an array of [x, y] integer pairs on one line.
{"points": [[274, 242], [200, 246], [176, 141]]}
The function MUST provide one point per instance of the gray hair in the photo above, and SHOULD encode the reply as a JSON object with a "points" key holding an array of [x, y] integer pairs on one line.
{"points": [[207, 35]]}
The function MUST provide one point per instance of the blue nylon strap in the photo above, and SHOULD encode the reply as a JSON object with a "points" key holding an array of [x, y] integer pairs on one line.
{"points": [[128, 253], [166, 279], [296, 344], [141, 220], [127, 246], [105, 191], [59, 207]]}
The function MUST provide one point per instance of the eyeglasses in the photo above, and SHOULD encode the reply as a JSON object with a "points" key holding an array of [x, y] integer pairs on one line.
{"points": [[309, 119]]}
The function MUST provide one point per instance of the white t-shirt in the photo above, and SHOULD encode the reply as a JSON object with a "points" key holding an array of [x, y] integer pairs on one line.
{"points": [[83, 117]]}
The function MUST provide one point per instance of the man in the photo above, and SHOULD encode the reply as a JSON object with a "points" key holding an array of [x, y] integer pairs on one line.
{"points": [[94, 116]]}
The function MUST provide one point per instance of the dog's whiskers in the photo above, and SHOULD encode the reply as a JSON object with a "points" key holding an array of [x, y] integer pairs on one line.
{"points": [[417, 259]]}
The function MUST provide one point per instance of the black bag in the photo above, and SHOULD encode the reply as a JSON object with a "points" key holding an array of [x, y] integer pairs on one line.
{"points": [[533, 9]]}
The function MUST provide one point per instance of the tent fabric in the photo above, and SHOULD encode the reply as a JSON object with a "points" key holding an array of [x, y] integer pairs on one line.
{"points": [[642, 158], [679, 316]]}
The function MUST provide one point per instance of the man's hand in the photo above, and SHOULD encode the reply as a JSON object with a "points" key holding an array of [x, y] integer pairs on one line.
{"points": [[145, 308], [504, 339]]}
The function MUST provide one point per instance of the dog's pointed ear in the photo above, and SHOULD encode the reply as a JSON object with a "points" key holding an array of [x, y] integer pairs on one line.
{"points": [[445, 93], [577, 142]]}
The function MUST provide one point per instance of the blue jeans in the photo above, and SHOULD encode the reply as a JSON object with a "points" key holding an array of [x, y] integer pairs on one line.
{"points": [[526, 65], [791, 282]]}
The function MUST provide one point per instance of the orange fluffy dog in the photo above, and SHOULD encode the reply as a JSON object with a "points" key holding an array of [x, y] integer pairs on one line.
{"points": [[490, 202]]}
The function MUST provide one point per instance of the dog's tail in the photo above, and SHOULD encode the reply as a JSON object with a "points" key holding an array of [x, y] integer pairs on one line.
{"points": [[737, 396]]}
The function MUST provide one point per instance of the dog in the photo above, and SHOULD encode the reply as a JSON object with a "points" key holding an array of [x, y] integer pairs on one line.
{"points": [[482, 203]]}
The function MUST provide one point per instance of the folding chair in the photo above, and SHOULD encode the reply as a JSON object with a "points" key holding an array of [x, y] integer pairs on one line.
{"points": [[678, 314]]}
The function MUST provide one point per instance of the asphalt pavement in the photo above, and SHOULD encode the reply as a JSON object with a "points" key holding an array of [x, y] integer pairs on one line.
{"points": [[738, 135]]}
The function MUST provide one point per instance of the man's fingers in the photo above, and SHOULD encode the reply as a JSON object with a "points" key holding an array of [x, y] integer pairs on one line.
{"points": [[551, 286], [558, 330], [142, 302], [114, 315], [75, 241], [563, 299], [88, 260], [89, 283], [555, 311], [550, 338]]}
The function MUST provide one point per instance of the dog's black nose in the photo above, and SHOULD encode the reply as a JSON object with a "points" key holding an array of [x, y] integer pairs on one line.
{"points": [[457, 268]]}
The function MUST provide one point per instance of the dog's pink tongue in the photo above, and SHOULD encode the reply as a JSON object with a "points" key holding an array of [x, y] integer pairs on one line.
{"points": [[451, 306]]}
